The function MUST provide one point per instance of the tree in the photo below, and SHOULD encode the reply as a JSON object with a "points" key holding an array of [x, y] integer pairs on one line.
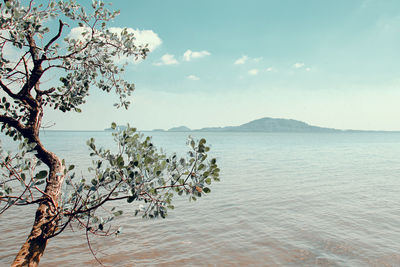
{"points": [[136, 172]]}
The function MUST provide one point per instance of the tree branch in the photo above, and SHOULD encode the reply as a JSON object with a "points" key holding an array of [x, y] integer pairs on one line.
{"points": [[107, 198], [13, 123], [8, 91], [46, 92], [61, 25], [86, 45], [32, 47]]}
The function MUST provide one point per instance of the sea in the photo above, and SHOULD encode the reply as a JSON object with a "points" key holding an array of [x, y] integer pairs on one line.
{"points": [[285, 199]]}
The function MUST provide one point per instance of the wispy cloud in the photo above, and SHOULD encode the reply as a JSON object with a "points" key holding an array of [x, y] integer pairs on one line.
{"points": [[253, 72], [193, 77], [298, 65], [189, 54], [167, 59], [269, 69], [241, 60]]}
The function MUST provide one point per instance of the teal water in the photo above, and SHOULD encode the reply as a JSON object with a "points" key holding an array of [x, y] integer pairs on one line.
{"points": [[285, 199]]}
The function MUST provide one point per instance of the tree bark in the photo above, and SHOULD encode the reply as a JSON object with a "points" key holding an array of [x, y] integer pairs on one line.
{"points": [[46, 219]]}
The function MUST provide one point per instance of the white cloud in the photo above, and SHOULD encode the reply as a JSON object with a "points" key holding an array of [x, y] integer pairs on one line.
{"points": [[241, 60], [143, 37], [308, 69], [77, 33], [167, 59], [253, 72], [269, 69], [298, 65], [193, 78], [189, 54]]}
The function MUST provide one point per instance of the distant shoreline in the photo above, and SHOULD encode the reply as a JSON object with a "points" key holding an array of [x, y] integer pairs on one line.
{"points": [[266, 124], [195, 131], [263, 125]]}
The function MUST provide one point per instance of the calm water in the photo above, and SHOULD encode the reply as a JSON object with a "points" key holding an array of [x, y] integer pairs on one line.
{"points": [[284, 200]]}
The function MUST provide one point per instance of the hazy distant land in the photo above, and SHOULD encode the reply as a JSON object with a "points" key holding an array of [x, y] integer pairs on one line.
{"points": [[270, 125], [265, 125], [260, 125], [180, 129]]}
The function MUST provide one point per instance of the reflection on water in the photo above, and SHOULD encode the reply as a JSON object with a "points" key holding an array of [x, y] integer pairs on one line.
{"points": [[284, 200]]}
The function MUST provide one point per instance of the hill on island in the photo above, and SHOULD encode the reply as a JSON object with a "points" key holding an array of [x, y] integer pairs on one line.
{"points": [[179, 129], [271, 125], [262, 125]]}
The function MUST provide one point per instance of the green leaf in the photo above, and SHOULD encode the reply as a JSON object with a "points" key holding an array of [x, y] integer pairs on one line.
{"points": [[206, 190], [118, 213], [131, 198], [39, 182], [120, 162], [41, 175], [113, 125]]}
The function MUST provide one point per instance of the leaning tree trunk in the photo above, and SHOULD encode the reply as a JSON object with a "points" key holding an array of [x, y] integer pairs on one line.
{"points": [[46, 218]]}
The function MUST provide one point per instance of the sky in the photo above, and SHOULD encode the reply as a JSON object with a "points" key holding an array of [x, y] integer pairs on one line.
{"points": [[219, 63]]}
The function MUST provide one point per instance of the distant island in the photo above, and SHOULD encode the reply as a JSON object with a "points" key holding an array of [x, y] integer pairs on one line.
{"points": [[179, 129], [271, 125], [261, 125]]}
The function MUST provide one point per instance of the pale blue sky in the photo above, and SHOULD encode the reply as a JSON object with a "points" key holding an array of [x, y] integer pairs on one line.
{"points": [[328, 63]]}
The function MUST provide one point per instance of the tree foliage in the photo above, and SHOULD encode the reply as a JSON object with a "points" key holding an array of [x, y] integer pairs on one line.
{"points": [[34, 48], [136, 172]]}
